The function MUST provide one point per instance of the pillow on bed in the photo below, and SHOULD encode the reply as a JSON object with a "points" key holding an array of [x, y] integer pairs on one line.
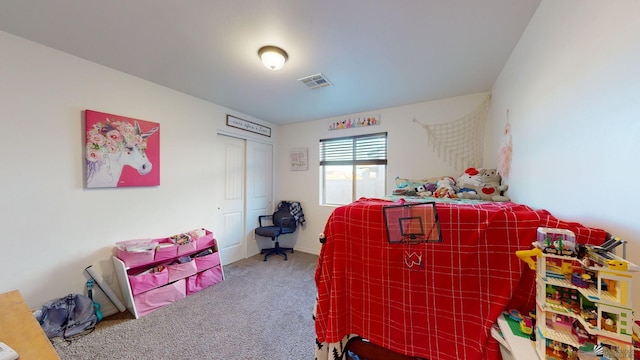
{"points": [[402, 183]]}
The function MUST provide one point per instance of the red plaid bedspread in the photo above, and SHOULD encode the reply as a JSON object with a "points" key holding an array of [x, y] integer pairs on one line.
{"points": [[445, 309]]}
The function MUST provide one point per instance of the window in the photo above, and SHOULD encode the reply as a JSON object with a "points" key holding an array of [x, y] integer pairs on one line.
{"points": [[353, 167]]}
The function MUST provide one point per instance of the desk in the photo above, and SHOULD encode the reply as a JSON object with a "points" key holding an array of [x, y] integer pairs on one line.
{"points": [[21, 331]]}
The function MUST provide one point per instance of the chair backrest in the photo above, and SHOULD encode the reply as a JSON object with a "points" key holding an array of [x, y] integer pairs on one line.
{"points": [[283, 218]]}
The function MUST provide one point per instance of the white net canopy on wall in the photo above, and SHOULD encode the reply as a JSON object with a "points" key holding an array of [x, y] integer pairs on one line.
{"points": [[460, 142]]}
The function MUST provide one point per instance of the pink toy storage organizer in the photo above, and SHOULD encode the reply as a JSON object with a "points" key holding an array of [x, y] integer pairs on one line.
{"points": [[157, 277]]}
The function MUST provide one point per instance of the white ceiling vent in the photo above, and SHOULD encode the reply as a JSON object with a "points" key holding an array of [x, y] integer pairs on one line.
{"points": [[315, 81]]}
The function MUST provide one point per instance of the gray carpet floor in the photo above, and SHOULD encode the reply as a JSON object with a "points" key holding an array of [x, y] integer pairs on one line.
{"points": [[262, 310]]}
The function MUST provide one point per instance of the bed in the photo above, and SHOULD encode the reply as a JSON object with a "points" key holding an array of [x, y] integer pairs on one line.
{"points": [[432, 300]]}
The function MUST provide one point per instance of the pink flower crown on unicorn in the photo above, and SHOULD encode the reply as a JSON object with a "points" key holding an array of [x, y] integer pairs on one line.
{"points": [[112, 137]]}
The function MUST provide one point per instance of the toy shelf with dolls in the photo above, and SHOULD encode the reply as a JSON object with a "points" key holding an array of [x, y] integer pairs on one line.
{"points": [[156, 272], [583, 298]]}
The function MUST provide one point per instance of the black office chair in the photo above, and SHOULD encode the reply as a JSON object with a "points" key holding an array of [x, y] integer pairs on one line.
{"points": [[282, 222]]}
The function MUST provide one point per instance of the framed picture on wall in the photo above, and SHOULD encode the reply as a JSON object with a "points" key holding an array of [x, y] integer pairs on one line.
{"points": [[354, 122], [298, 160], [121, 151]]}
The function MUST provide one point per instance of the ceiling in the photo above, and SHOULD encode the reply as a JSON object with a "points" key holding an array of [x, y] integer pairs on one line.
{"points": [[377, 54]]}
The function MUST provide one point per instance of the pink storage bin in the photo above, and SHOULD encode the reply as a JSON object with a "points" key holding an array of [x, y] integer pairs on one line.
{"points": [[187, 248], [166, 250], [150, 300], [135, 252], [205, 241], [143, 282], [207, 262], [181, 271], [204, 279], [135, 258]]}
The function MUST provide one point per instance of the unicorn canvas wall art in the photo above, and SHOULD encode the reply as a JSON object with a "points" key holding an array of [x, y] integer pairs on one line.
{"points": [[121, 151]]}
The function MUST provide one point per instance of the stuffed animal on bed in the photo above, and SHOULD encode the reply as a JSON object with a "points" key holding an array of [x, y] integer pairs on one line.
{"points": [[471, 176], [482, 184], [446, 188], [426, 190], [402, 183], [415, 187]]}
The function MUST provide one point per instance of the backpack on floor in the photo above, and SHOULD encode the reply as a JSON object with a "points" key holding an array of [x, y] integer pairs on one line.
{"points": [[67, 316]]}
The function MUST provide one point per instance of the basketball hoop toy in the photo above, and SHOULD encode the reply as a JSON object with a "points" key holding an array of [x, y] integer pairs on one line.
{"points": [[412, 224]]}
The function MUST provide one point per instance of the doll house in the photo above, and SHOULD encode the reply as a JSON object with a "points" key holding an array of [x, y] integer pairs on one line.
{"points": [[583, 300]]}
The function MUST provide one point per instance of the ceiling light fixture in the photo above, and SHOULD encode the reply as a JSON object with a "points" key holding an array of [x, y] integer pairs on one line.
{"points": [[272, 57]]}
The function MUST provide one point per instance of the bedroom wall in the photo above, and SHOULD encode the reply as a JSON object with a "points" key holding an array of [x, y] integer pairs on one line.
{"points": [[410, 155], [572, 87], [51, 227]]}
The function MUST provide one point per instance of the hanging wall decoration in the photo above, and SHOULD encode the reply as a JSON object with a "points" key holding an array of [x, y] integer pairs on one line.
{"points": [[121, 151], [460, 142], [354, 122], [504, 155], [247, 125]]}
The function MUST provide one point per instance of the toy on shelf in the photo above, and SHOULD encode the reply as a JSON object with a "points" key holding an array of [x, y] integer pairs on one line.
{"points": [[583, 296], [558, 241]]}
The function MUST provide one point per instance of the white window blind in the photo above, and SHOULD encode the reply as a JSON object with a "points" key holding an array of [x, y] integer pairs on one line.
{"points": [[368, 149]]}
